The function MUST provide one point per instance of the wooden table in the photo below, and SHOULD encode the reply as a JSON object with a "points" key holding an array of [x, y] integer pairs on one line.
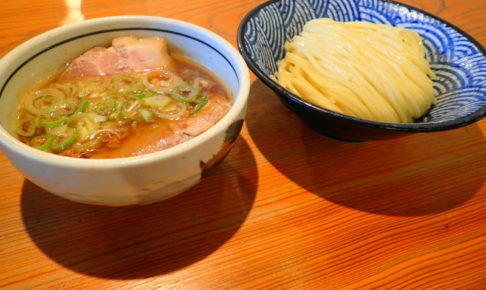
{"points": [[287, 209]]}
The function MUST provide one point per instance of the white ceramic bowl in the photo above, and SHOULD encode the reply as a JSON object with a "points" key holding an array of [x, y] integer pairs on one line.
{"points": [[122, 181]]}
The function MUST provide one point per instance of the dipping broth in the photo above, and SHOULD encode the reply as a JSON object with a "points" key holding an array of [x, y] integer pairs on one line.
{"points": [[121, 111]]}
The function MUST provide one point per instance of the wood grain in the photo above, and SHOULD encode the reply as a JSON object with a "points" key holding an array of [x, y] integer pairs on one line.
{"points": [[287, 209]]}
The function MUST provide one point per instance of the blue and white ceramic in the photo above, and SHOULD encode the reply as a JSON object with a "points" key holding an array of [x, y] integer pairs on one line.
{"points": [[458, 61], [121, 181]]}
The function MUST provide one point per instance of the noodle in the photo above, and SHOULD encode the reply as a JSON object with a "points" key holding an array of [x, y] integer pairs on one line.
{"points": [[366, 70]]}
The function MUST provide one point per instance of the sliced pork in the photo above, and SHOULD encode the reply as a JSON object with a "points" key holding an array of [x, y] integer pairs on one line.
{"points": [[217, 107], [127, 54]]}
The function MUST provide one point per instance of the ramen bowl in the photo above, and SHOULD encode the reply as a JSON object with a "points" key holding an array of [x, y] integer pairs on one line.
{"points": [[458, 61], [121, 181]]}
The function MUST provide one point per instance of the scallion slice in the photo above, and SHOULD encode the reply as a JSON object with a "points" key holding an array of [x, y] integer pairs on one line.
{"points": [[53, 121], [63, 138], [126, 84], [61, 108], [25, 127], [106, 107], [156, 101], [161, 82], [203, 101], [91, 87], [185, 93], [139, 96], [147, 115], [172, 111], [40, 101], [129, 109], [83, 106], [42, 142]]}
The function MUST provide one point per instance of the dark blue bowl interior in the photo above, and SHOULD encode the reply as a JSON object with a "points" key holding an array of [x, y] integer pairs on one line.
{"points": [[458, 60]]}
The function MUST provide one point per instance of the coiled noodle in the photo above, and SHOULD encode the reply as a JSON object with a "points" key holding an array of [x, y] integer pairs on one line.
{"points": [[367, 70]]}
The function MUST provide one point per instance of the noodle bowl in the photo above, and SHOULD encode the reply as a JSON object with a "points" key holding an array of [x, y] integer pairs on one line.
{"points": [[133, 180]]}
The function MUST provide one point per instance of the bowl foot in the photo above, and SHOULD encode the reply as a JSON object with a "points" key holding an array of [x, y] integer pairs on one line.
{"points": [[325, 133]]}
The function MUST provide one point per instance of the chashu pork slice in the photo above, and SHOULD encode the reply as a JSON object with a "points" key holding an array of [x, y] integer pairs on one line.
{"points": [[196, 124], [127, 54], [152, 137]]}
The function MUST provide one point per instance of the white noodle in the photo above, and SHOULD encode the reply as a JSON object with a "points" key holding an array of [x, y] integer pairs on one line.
{"points": [[371, 71]]}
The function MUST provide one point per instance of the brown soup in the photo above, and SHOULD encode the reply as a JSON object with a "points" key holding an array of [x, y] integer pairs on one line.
{"points": [[122, 115]]}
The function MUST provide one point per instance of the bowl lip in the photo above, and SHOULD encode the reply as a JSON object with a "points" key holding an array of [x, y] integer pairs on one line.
{"points": [[479, 114], [228, 51]]}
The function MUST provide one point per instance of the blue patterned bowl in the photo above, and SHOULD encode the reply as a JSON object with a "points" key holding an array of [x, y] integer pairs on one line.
{"points": [[458, 61]]}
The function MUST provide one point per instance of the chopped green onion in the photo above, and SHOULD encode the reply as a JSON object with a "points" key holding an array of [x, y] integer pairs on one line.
{"points": [[106, 107], [172, 111], [139, 96], [41, 100], [63, 138], [91, 88], [156, 101], [128, 110], [123, 111], [59, 130], [52, 121], [42, 142], [147, 115], [61, 108], [126, 83], [98, 118], [25, 127], [86, 124], [83, 106], [161, 82], [203, 101], [185, 93]]}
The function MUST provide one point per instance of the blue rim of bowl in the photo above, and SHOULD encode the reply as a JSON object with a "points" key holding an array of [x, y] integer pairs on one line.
{"points": [[401, 127]]}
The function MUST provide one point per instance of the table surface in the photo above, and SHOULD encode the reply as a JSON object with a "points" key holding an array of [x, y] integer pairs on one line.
{"points": [[296, 210]]}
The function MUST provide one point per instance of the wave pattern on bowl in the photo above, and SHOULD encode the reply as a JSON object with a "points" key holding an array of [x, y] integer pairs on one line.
{"points": [[459, 65]]}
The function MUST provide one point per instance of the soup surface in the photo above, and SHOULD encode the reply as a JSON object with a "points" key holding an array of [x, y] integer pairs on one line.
{"points": [[129, 99]]}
